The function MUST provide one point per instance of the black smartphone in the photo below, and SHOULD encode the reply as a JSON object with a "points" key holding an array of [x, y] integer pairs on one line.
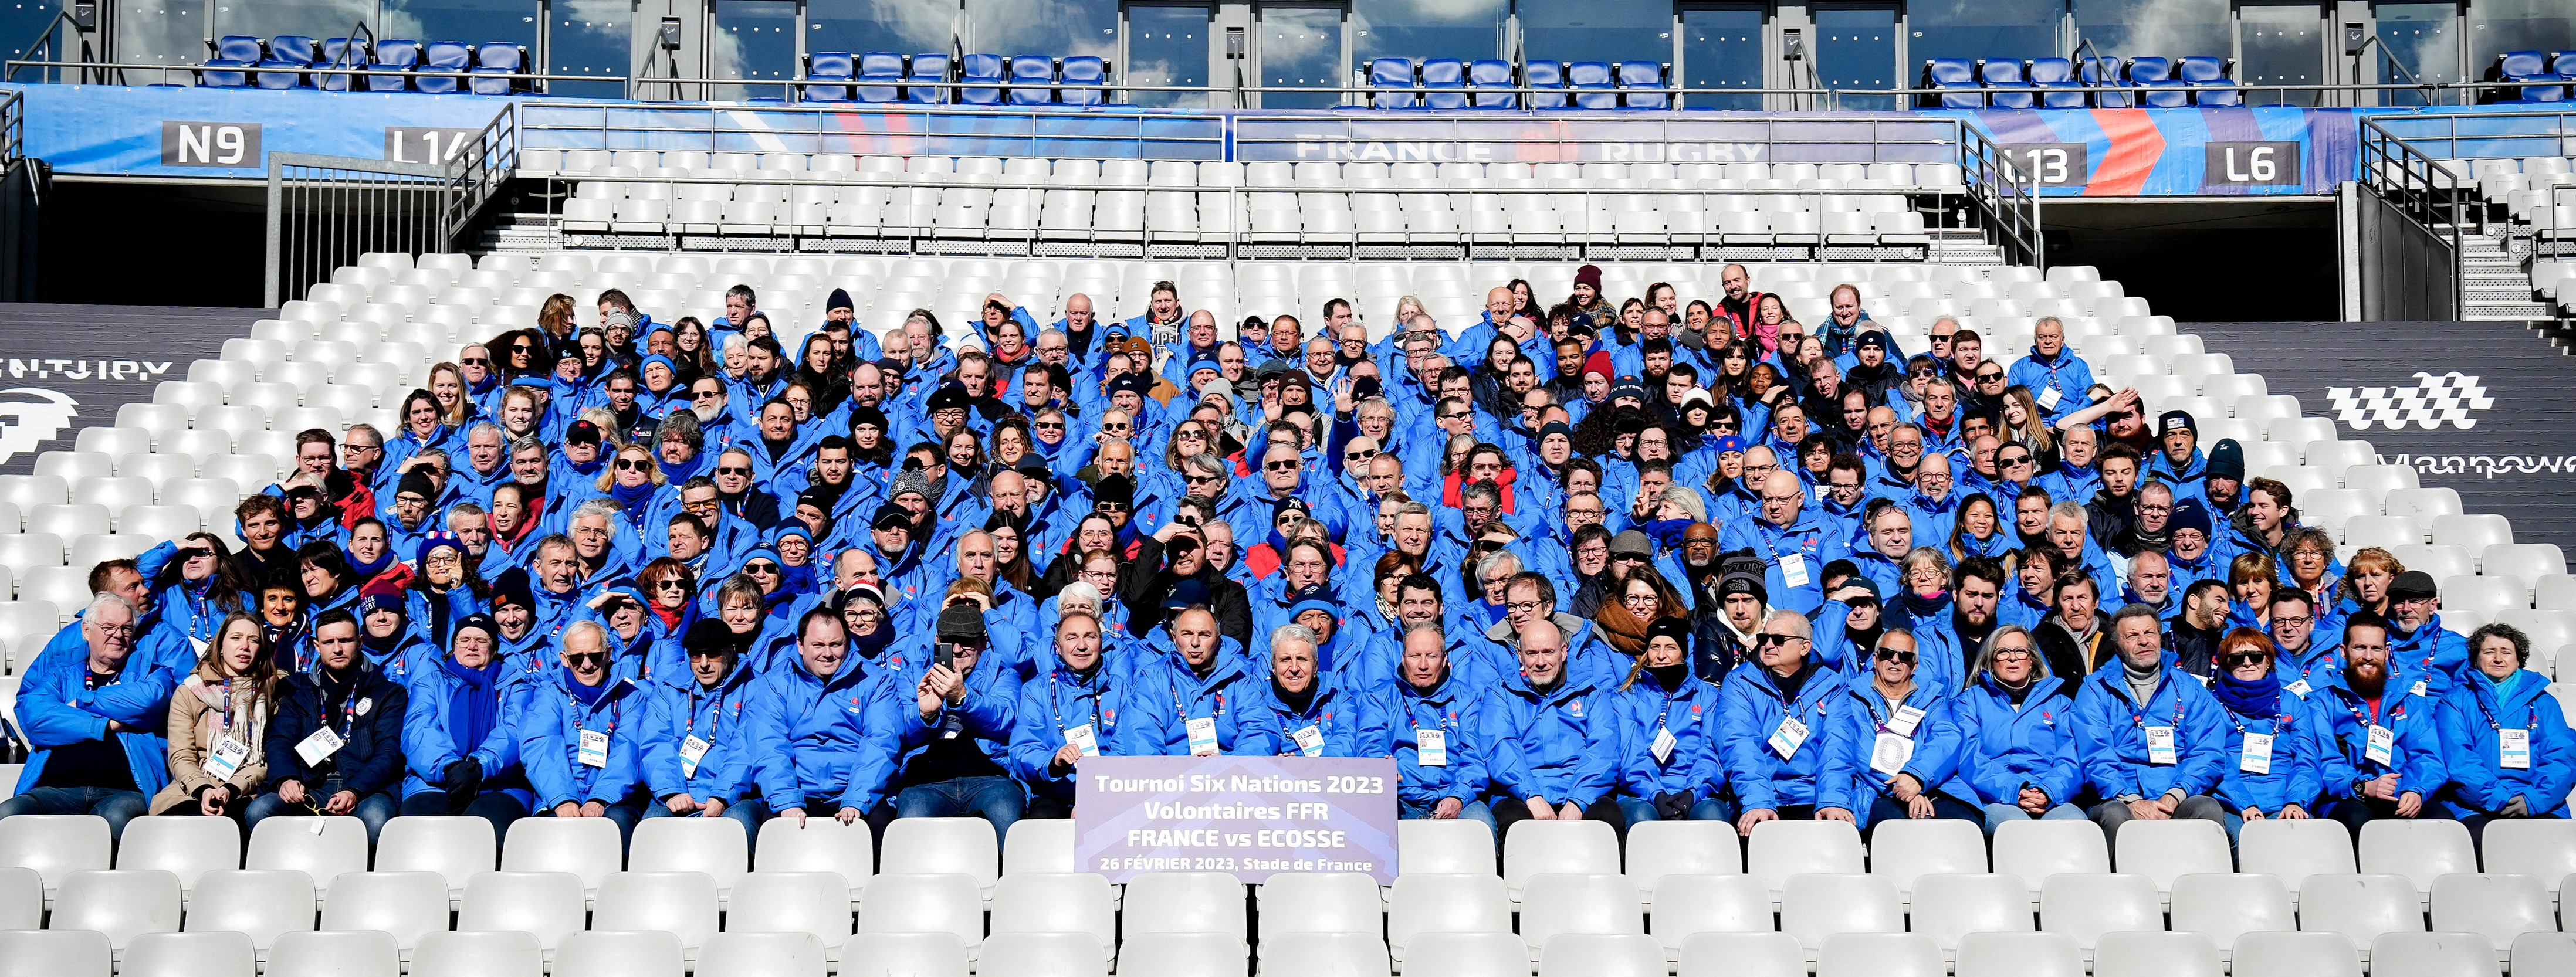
{"points": [[944, 655]]}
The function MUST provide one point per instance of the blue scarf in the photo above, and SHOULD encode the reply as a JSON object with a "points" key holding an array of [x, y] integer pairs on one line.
{"points": [[676, 474], [633, 498], [475, 706], [588, 694], [1922, 608], [2258, 699], [368, 571]]}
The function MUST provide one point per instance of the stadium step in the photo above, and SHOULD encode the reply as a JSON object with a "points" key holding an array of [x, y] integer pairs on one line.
{"points": [[2494, 283]]}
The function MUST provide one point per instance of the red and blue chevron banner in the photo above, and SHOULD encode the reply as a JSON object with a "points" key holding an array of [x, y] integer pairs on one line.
{"points": [[2184, 152]]}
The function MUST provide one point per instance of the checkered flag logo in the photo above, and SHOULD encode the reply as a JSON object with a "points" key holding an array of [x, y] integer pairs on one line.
{"points": [[2427, 405]]}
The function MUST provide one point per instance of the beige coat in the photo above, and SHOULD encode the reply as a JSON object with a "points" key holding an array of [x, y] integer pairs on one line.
{"points": [[195, 723]]}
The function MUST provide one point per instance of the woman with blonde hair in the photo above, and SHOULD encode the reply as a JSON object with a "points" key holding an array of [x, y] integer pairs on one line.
{"points": [[218, 724], [447, 386], [556, 316], [2365, 582]]}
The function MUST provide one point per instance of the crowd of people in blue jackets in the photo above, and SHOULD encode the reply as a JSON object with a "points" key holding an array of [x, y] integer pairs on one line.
{"points": [[1618, 559]]}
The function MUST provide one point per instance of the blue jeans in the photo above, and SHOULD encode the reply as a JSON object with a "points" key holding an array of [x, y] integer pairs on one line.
{"points": [[373, 810], [1997, 814], [749, 812], [117, 806], [1643, 809], [996, 799], [1472, 811]]}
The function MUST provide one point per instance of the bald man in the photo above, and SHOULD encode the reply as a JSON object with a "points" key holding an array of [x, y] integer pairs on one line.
{"points": [[1555, 736], [1793, 543]]}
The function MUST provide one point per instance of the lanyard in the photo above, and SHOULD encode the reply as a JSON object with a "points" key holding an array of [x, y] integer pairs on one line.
{"points": [[2277, 722], [691, 728], [224, 718], [1055, 709], [579, 714], [2139, 715], [2534, 725], [1873, 701]]}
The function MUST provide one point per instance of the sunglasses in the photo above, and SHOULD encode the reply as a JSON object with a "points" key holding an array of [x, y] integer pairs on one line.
{"points": [[585, 656], [1892, 654], [1281, 466], [1359, 455], [632, 465], [2243, 658], [705, 394], [1456, 415], [709, 652], [478, 361], [670, 585], [1199, 479], [762, 567], [1049, 425], [2019, 460], [733, 470], [1108, 506], [1769, 640]]}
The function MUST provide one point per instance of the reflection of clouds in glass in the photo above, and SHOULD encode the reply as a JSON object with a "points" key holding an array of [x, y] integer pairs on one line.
{"points": [[607, 18], [884, 25], [2172, 28], [1052, 27], [320, 18]]}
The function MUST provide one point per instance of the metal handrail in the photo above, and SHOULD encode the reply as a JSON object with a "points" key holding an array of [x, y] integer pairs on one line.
{"points": [[2419, 187], [13, 128], [477, 171], [12, 65], [46, 40]]}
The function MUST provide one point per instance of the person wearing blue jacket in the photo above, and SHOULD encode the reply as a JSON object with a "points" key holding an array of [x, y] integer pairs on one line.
{"points": [[2017, 733], [1772, 711], [2276, 742], [2149, 735], [2509, 750], [1892, 746], [1302, 711], [346, 716], [1068, 712], [1670, 769], [96, 713], [1197, 696], [2057, 378], [824, 737], [461, 755], [1794, 546], [2385, 758], [698, 751], [954, 727], [2422, 652], [580, 736], [1556, 739], [1428, 723]]}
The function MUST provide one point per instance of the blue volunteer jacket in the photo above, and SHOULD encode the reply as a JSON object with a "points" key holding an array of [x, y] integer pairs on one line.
{"points": [[1807, 539], [58, 708], [2433, 655], [2003, 749], [1563, 745], [1689, 714], [2415, 722], [550, 725], [1168, 694], [817, 741], [984, 718], [1402, 712], [1335, 713], [1851, 735], [1751, 709], [2474, 717], [1058, 700], [679, 709], [2296, 774], [2111, 734], [428, 748]]}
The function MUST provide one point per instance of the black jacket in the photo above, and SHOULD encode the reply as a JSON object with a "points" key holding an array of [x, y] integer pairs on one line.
{"points": [[369, 762]]}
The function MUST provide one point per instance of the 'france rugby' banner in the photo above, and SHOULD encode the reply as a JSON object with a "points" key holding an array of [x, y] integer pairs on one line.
{"points": [[2177, 152], [1247, 815], [2480, 407]]}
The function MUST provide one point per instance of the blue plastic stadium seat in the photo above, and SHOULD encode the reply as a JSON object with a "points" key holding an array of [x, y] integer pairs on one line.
{"points": [[338, 52], [2004, 84], [2530, 66], [441, 56], [1957, 80], [879, 73], [1492, 73], [1549, 78], [394, 55], [1085, 81], [987, 68], [2163, 90], [289, 51], [494, 62], [2105, 73], [827, 66], [2048, 74], [1593, 87], [1444, 84], [235, 51], [2208, 79], [1391, 83], [923, 84], [1648, 75], [1032, 79]]}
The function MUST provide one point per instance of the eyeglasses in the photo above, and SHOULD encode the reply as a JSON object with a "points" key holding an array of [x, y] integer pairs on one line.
{"points": [[632, 465], [706, 394], [2011, 652], [1282, 465], [1456, 415], [1890, 654]]}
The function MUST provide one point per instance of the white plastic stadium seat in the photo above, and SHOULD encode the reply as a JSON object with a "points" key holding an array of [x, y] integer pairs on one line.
{"points": [[620, 953], [320, 847], [1321, 902], [1781, 849], [357, 953], [1993, 954], [940, 902], [1903, 851], [965, 845], [2146, 954], [2087, 906], [545, 905], [121, 903], [1060, 902], [186, 845], [457, 848], [715, 846], [54, 845], [216, 953], [681, 903], [1183, 955], [1594, 955], [1880, 955], [1182, 902], [2295, 850], [1049, 954], [814, 904], [1561, 847], [1744, 954], [491, 953], [2360, 907], [260, 903], [1427, 904], [1559, 903], [2227, 906], [2434, 955], [2499, 907], [2036, 850], [587, 847], [826, 845], [1950, 907], [1455, 845], [2421, 850]]}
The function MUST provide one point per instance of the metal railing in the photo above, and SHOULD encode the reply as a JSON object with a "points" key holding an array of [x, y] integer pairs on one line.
{"points": [[325, 211], [2486, 134], [50, 42], [2009, 198], [478, 170], [13, 128], [2417, 186], [188, 73]]}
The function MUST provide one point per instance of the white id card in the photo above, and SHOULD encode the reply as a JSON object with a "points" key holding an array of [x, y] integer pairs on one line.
{"points": [[1203, 736], [1431, 747], [1786, 739], [594, 748], [2382, 748], [319, 747], [2257, 757], [1793, 570], [2513, 749], [2048, 398], [1662, 747], [692, 750], [1083, 739], [229, 754], [1904, 721], [2160, 746], [2298, 688], [1890, 754], [1310, 741]]}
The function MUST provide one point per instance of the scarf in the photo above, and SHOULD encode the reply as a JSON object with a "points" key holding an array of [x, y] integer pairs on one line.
{"points": [[1921, 607], [2018, 692], [587, 694], [1620, 626], [872, 645], [632, 497], [2258, 699], [368, 571], [1670, 677], [1297, 702], [675, 474], [475, 706]]}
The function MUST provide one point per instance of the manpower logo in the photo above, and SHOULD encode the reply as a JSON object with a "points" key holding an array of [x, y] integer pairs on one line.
{"points": [[30, 416], [2431, 402]]}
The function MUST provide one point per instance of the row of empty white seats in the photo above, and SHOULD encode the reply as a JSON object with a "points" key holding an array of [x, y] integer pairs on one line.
{"points": [[1185, 173]]}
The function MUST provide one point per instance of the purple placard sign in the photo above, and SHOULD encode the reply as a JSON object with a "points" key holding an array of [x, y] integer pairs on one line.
{"points": [[1248, 815]]}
